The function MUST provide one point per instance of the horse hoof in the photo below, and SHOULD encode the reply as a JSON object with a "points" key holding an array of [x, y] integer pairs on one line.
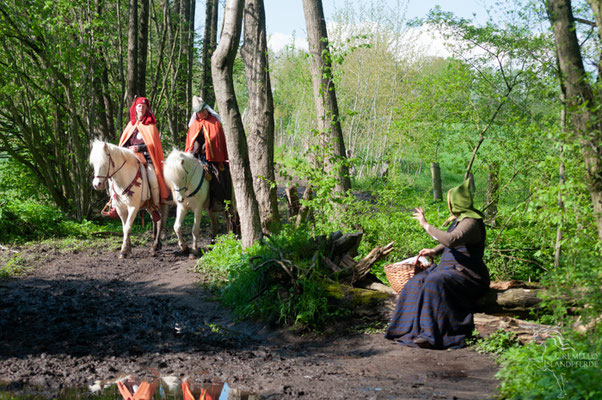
{"points": [[192, 256], [123, 255]]}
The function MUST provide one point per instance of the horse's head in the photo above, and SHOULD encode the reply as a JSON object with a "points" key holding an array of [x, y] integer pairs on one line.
{"points": [[107, 160], [176, 169], [100, 160]]}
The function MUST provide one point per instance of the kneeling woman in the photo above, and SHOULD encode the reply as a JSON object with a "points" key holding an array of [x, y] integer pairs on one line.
{"points": [[434, 309]]}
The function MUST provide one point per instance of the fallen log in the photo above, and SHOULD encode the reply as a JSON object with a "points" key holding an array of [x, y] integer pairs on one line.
{"points": [[366, 303], [526, 331], [365, 264], [516, 301], [358, 271], [370, 282]]}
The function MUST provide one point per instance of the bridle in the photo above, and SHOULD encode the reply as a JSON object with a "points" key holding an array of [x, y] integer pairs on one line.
{"points": [[111, 164], [185, 188]]}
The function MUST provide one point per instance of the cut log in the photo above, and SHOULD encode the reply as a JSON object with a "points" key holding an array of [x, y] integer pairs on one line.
{"points": [[518, 302], [368, 304]]}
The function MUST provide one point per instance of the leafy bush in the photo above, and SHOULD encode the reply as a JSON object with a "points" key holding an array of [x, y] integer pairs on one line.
{"points": [[280, 281], [24, 220], [225, 254], [563, 367], [18, 182]]}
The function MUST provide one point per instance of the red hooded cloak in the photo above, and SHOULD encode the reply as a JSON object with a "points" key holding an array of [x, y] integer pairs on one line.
{"points": [[215, 140], [148, 129]]}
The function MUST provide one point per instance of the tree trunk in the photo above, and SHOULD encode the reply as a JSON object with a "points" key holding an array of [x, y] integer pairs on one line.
{"points": [[187, 48], [260, 134], [209, 44], [222, 64], [436, 179], [190, 51], [327, 109], [132, 69], [580, 99], [142, 48]]}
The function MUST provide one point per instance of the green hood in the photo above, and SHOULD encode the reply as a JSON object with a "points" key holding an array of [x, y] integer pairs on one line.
{"points": [[459, 200]]}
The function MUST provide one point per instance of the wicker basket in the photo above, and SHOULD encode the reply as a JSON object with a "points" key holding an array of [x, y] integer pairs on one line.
{"points": [[400, 273]]}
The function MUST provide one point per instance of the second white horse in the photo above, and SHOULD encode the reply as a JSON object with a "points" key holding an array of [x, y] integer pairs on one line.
{"points": [[185, 176]]}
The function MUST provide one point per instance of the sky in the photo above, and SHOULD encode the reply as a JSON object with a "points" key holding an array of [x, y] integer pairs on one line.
{"points": [[284, 18]]}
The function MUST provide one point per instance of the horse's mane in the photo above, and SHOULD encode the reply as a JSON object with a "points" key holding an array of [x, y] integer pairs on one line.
{"points": [[98, 155], [173, 170]]}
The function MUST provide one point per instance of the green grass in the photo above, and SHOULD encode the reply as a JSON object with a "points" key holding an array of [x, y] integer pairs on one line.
{"points": [[15, 265]]}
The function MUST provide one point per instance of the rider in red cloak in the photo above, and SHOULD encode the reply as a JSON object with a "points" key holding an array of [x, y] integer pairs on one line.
{"points": [[206, 141], [142, 137]]}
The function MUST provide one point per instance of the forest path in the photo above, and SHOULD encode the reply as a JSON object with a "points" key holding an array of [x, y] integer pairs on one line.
{"points": [[84, 315]]}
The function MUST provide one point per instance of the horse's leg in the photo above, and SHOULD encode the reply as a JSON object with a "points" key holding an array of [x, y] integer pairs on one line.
{"points": [[196, 229], [158, 229], [177, 226], [164, 214], [213, 222], [127, 219]]}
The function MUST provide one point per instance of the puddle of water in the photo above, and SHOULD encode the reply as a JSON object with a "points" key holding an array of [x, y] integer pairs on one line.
{"points": [[165, 388]]}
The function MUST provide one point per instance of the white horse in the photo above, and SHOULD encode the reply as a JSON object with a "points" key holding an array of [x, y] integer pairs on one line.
{"points": [[128, 188], [185, 176]]}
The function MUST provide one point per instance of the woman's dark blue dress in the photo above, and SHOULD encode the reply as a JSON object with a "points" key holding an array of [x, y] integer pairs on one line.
{"points": [[437, 304]]}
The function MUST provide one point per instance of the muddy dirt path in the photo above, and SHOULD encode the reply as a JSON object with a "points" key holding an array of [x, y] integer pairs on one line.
{"points": [[85, 315]]}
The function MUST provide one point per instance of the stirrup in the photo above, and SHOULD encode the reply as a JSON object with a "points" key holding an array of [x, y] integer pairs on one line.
{"points": [[111, 213]]}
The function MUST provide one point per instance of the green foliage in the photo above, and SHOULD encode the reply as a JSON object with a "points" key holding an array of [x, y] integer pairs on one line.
{"points": [[496, 343], [18, 182], [15, 265], [26, 220], [563, 367], [224, 256], [255, 284]]}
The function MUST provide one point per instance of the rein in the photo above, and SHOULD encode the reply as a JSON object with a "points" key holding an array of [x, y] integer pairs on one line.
{"points": [[137, 181], [195, 191], [111, 163]]}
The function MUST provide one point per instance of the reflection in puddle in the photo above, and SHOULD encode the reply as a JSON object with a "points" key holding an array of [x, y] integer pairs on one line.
{"points": [[164, 388]]}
